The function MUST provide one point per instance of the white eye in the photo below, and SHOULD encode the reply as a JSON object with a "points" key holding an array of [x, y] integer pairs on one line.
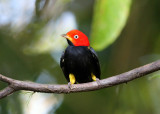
{"points": [[76, 36]]}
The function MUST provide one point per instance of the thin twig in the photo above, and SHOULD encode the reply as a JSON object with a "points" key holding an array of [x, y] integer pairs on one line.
{"points": [[6, 91], [16, 85]]}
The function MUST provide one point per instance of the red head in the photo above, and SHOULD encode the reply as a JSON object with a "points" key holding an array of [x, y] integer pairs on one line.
{"points": [[77, 38]]}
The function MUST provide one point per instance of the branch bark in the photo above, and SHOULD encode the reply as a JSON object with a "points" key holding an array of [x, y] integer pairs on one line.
{"points": [[16, 85]]}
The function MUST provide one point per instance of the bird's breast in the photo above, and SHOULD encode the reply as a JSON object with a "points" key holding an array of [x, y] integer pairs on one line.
{"points": [[77, 52], [77, 56]]}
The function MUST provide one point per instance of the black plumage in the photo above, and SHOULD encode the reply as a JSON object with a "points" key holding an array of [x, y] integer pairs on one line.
{"points": [[81, 61]]}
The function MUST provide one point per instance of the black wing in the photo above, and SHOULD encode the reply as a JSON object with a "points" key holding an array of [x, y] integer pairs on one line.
{"points": [[62, 59], [62, 65], [96, 66]]}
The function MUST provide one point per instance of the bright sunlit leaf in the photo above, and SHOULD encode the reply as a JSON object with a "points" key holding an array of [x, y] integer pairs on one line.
{"points": [[109, 19]]}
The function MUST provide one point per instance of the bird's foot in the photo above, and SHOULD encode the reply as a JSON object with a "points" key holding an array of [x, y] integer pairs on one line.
{"points": [[98, 81], [72, 80], [70, 86]]}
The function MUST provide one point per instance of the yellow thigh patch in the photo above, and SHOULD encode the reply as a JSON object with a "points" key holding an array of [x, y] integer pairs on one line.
{"points": [[93, 77], [72, 78]]}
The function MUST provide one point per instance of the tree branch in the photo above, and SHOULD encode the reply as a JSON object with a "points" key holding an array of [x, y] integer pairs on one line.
{"points": [[16, 85]]}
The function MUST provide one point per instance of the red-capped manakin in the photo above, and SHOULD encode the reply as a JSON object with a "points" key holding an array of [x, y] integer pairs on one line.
{"points": [[79, 61]]}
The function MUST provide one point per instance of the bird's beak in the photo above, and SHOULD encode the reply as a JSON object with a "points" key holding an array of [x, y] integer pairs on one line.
{"points": [[66, 36]]}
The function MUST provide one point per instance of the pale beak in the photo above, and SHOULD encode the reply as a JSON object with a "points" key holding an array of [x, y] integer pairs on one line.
{"points": [[65, 36], [69, 39]]}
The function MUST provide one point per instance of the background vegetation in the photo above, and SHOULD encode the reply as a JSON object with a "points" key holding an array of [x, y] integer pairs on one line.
{"points": [[125, 34]]}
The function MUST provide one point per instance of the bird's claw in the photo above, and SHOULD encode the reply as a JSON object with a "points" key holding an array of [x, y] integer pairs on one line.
{"points": [[70, 86], [98, 81]]}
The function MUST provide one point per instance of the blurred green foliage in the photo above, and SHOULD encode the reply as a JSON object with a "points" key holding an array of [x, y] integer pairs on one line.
{"points": [[108, 21], [31, 45]]}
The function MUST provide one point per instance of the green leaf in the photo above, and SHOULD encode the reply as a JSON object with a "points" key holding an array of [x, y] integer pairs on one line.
{"points": [[109, 19]]}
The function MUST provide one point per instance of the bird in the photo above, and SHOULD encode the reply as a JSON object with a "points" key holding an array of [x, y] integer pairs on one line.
{"points": [[79, 61]]}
